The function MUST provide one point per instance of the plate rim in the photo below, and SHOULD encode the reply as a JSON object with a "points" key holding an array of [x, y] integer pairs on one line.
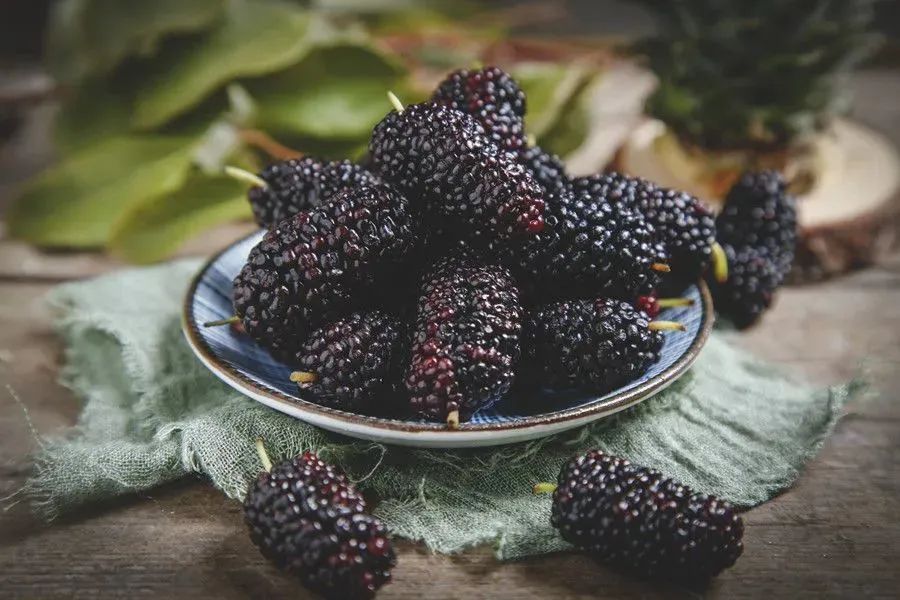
{"points": [[372, 426]]}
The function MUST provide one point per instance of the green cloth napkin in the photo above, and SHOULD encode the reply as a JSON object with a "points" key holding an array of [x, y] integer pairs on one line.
{"points": [[733, 426]]}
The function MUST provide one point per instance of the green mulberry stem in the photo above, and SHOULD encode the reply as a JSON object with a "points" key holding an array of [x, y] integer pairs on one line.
{"points": [[218, 323], [245, 177], [544, 488], [263, 455]]}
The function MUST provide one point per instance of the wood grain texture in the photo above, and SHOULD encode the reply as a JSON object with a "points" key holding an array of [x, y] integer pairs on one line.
{"points": [[835, 534]]}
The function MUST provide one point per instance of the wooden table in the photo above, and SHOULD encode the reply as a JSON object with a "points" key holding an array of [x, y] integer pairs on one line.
{"points": [[834, 534]]}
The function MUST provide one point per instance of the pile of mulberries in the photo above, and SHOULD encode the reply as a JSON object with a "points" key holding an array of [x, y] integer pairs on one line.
{"points": [[463, 259]]}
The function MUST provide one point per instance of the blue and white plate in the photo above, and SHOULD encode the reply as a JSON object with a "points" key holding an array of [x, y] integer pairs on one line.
{"points": [[241, 363]]}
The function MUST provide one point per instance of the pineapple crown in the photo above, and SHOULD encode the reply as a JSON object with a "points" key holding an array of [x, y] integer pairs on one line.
{"points": [[757, 75]]}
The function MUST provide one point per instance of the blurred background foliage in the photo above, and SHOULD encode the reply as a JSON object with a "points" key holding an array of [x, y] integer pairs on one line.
{"points": [[158, 95]]}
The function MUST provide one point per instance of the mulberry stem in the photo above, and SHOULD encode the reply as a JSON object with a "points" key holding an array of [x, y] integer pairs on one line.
{"points": [[245, 176], [395, 101], [263, 455], [666, 326], [218, 323], [453, 419], [661, 267], [673, 302], [303, 377], [720, 263], [544, 488]]}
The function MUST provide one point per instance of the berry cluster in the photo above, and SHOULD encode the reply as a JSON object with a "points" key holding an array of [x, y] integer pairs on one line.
{"points": [[460, 261], [463, 258]]}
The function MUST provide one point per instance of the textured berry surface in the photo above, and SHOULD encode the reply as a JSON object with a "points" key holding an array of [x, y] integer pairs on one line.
{"points": [[684, 226], [637, 518], [310, 521], [595, 344], [302, 184], [753, 278], [313, 267], [589, 246], [355, 360], [441, 155], [547, 169], [466, 340], [493, 98], [760, 214], [648, 304]]}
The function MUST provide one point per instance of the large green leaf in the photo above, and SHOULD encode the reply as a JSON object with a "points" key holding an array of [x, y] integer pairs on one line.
{"points": [[98, 109], [336, 92], [75, 203], [156, 228], [254, 38], [550, 88], [93, 36]]}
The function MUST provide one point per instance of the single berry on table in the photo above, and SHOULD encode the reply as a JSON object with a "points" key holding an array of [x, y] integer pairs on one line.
{"points": [[636, 518], [309, 520], [466, 340]]}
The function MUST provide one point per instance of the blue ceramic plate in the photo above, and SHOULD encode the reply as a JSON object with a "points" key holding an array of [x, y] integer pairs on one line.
{"points": [[241, 363]]}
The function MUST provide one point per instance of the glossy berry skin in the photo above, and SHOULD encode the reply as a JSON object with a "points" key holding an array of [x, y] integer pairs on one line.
{"points": [[308, 519], [597, 344], [466, 341], [313, 267], [648, 304], [302, 184], [493, 98], [684, 226], [356, 361], [547, 169], [636, 518], [760, 214], [753, 279], [470, 188], [589, 246]]}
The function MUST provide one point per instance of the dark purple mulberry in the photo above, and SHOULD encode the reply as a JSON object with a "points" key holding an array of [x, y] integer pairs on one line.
{"points": [[753, 278], [353, 363], [684, 226], [466, 340], [302, 184], [315, 266], [438, 155], [493, 98], [547, 169], [594, 344], [310, 521], [636, 518]]}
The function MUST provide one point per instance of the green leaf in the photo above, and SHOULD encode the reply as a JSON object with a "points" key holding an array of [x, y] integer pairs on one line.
{"points": [[570, 130], [75, 203], [336, 92], [253, 39], [96, 110], [156, 228], [88, 37], [550, 89]]}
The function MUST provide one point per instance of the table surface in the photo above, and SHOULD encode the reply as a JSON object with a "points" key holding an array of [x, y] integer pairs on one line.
{"points": [[835, 533]]}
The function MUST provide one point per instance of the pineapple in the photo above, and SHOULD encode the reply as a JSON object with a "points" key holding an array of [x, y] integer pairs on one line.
{"points": [[748, 84]]}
